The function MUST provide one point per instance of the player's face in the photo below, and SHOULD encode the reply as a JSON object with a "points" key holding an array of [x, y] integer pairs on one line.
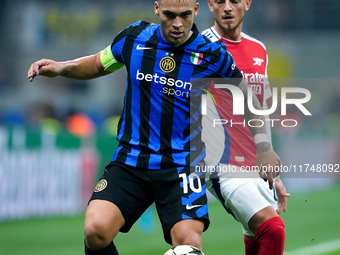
{"points": [[229, 13], [176, 19]]}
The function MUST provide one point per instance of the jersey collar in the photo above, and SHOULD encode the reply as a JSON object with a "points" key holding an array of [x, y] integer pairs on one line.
{"points": [[219, 36]]}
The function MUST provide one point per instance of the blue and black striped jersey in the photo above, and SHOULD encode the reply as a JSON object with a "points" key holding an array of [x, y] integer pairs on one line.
{"points": [[156, 125]]}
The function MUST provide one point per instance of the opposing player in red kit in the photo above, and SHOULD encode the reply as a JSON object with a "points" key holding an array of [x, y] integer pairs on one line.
{"points": [[247, 197]]}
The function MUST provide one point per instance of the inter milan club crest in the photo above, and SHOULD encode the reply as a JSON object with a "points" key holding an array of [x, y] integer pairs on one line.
{"points": [[167, 64], [196, 58], [101, 185]]}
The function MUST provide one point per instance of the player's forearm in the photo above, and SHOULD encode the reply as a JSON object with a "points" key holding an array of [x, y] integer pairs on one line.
{"points": [[82, 68], [257, 127]]}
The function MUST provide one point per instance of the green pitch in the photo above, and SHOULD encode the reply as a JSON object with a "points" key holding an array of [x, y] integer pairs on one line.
{"points": [[312, 220]]}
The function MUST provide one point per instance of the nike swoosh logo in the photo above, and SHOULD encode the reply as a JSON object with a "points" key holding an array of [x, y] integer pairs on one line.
{"points": [[189, 207], [143, 48]]}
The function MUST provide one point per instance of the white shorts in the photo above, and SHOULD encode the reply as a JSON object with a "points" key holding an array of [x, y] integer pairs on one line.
{"points": [[243, 197]]}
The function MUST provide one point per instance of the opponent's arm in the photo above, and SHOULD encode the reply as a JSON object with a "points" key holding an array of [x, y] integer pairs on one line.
{"points": [[266, 158]]}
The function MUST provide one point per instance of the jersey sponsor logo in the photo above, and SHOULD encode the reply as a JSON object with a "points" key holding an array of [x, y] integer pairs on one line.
{"points": [[254, 78], [163, 80], [167, 64], [143, 48], [173, 87], [189, 207], [101, 185], [196, 58], [258, 61]]}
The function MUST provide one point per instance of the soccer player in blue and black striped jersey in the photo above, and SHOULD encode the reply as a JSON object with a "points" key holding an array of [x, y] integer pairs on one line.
{"points": [[159, 128]]}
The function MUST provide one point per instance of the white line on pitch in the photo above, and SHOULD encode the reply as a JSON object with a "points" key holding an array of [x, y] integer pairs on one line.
{"points": [[317, 249]]}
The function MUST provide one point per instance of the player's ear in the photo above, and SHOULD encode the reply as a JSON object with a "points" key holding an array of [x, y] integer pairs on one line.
{"points": [[157, 8], [248, 3], [210, 3], [197, 6]]}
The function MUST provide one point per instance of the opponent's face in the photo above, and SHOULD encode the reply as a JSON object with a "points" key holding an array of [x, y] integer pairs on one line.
{"points": [[176, 19], [229, 13]]}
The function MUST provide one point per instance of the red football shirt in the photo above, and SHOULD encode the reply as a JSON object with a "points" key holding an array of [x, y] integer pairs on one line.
{"points": [[250, 56]]}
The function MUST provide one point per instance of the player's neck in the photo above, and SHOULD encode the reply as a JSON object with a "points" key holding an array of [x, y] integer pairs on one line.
{"points": [[230, 34]]}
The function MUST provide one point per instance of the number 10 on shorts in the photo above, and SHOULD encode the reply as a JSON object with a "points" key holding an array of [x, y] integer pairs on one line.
{"points": [[190, 183]]}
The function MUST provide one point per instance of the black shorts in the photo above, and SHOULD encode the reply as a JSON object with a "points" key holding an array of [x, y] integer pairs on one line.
{"points": [[133, 190]]}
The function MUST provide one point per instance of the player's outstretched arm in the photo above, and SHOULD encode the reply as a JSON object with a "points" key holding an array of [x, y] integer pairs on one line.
{"points": [[84, 68], [266, 158]]}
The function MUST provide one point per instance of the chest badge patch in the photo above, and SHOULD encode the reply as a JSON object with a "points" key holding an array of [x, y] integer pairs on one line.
{"points": [[167, 64], [196, 58], [258, 61]]}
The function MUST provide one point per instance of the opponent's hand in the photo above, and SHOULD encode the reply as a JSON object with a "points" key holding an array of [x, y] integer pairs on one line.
{"points": [[281, 195], [269, 163], [45, 67]]}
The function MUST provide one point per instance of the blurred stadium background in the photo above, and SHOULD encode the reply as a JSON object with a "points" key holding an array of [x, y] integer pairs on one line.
{"points": [[48, 165]]}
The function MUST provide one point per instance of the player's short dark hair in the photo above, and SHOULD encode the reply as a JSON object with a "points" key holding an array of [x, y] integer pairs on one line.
{"points": [[175, 0]]}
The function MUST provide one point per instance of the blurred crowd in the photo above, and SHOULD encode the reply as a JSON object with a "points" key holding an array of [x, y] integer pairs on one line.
{"points": [[64, 30]]}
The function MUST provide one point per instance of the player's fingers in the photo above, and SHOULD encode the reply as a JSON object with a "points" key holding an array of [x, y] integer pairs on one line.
{"points": [[285, 202], [270, 179], [279, 167], [34, 70], [271, 183], [278, 210], [31, 74], [31, 78], [263, 175], [39, 66]]}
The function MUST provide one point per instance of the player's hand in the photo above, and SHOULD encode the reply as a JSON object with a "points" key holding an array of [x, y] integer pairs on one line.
{"points": [[281, 195], [45, 67], [269, 163]]}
